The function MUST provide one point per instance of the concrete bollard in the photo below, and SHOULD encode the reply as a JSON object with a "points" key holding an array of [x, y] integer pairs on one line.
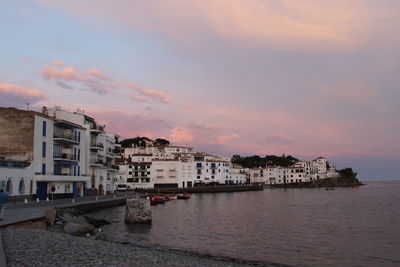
{"points": [[73, 200], [37, 200], [47, 199], [97, 198], [115, 196], [26, 201], [138, 210]]}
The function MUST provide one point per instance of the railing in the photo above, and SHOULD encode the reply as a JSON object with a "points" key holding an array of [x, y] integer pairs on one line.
{"points": [[97, 128], [98, 145], [98, 162], [65, 136], [66, 156]]}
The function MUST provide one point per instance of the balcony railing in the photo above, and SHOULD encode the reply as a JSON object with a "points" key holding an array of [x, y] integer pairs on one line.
{"points": [[97, 162], [64, 136], [95, 129], [95, 145], [65, 156]]}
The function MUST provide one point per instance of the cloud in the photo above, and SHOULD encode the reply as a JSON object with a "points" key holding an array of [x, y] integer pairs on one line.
{"points": [[98, 74], [182, 135], [66, 77], [227, 138], [129, 124], [58, 63], [147, 95], [15, 95], [283, 24]]}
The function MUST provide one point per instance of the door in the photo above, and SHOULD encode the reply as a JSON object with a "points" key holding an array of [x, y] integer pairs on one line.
{"points": [[41, 190]]}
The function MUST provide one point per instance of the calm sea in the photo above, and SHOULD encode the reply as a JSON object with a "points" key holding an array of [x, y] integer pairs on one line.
{"points": [[300, 227]]}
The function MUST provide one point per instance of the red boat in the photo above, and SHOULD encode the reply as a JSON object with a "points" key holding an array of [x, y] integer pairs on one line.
{"points": [[355, 186], [183, 196], [153, 201]]}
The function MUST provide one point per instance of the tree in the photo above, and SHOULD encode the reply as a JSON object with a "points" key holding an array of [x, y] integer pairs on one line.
{"points": [[348, 173], [162, 142]]}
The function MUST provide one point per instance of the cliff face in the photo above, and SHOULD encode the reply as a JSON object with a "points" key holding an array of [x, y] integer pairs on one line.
{"points": [[16, 134]]}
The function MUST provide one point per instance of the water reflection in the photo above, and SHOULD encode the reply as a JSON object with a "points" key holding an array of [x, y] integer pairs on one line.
{"points": [[302, 227], [140, 229]]}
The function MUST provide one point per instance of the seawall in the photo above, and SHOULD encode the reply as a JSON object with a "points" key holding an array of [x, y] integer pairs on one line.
{"points": [[92, 206], [208, 189]]}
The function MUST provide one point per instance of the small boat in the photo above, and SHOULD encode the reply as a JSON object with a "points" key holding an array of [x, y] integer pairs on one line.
{"points": [[153, 201], [158, 199], [172, 196], [330, 188], [183, 196], [355, 186]]}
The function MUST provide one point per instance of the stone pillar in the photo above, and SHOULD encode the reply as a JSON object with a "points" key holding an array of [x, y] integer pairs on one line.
{"points": [[138, 210]]}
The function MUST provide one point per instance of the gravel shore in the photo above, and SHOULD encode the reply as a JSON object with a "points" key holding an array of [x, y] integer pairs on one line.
{"points": [[45, 248]]}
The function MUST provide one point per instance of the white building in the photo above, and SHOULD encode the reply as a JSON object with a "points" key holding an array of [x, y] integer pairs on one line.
{"points": [[257, 176], [54, 150], [238, 175]]}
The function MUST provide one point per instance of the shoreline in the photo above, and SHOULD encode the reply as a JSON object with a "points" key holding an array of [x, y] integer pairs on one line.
{"points": [[23, 247]]}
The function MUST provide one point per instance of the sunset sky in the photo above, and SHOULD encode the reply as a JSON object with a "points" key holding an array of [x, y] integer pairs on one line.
{"points": [[299, 77]]}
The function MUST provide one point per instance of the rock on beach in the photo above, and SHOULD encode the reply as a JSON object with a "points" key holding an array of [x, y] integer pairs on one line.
{"points": [[138, 210]]}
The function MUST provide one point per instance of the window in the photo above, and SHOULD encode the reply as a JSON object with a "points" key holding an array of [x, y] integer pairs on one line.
{"points": [[9, 186], [79, 170], [44, 128], [44, 149], [79, 154], [199, 171], [198, 177], [21, 187], [79, 136], [198, 165], [43, 168]]}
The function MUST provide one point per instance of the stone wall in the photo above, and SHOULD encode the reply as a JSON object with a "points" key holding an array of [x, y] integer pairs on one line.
{"points": [[16, 134]]}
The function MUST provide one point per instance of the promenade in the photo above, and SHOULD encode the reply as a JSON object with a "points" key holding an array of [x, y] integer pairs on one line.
{"points": [[21, 212]]}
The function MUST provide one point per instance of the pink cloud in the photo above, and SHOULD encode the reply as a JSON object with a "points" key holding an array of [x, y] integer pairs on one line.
{"points": [[129, 124], [289, 24], [98, 74], [11, 94], [147, 94], [58, 63], [69, 76], [155, 95], [182, 135], [227, 138]]}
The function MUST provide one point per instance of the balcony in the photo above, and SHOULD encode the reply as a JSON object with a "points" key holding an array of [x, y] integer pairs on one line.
{"points": [[65, 138], [96, 129], [65, 157], [96, 146], [96, 163]]}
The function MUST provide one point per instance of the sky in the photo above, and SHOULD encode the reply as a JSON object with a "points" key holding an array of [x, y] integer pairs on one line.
{"points": [[295, 77]]}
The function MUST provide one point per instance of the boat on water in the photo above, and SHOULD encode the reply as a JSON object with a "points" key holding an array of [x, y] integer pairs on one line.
{"points": [[355, 186], [153, 202], [183, 196], [330, 188], [173, 196], [158, 199]]}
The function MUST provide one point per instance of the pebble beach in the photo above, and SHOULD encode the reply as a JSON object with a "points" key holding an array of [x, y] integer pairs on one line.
{"points": [[24, 247]]}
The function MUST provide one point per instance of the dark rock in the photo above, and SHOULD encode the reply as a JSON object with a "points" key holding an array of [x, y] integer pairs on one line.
{"points": [[96, 222], [78, 229]]}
